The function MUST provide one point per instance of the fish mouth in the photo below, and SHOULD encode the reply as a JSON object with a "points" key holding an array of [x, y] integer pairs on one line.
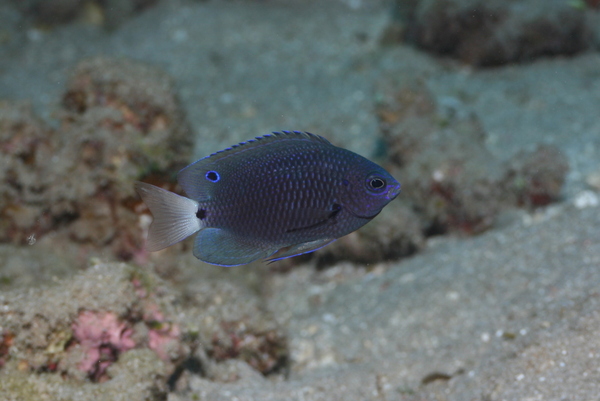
{"points": [[394, 192]]}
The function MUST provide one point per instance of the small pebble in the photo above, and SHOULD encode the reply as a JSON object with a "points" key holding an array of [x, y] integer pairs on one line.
{"points": [[586, 199]]}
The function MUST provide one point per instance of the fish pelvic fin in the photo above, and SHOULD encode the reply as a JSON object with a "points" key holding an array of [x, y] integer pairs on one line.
{"points": [[174, 216]]}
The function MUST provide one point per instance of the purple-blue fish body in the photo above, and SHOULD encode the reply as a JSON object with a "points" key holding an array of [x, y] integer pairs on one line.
{"points": [[290, 190]]}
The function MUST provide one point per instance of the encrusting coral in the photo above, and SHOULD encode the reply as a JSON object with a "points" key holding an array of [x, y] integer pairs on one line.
{"points": [[103, 337]]}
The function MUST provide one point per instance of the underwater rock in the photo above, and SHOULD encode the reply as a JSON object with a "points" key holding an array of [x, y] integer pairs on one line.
{"points": [[535, 178], [26, 147], [109, 13], [137, 376], [489, 33], [51, 12], [80, 328], [516, 306], [451, 179], [102, 337], [232, 324], [130, 100], [83, 330], [125, 122], [447, 174], [121, 122]]}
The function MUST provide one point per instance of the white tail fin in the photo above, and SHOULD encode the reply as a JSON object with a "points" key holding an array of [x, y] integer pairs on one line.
{"points": [[174, 216]]}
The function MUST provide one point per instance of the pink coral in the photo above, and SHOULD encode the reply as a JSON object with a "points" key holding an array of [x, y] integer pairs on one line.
{"points": [[103, 337], [163, 336]]}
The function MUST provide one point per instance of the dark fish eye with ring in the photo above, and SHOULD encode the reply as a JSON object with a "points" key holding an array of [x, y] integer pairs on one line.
{"points": [[376, 183]]}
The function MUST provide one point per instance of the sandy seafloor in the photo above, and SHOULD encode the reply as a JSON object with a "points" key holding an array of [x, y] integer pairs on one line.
{"points": [[512, 314]]}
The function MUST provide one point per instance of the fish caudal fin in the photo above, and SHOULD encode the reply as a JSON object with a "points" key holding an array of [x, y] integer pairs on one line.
{"points": [[174, 216]]}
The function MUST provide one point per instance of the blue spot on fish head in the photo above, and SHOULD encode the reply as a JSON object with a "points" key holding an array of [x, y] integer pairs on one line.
{"points": [[212, 176]]}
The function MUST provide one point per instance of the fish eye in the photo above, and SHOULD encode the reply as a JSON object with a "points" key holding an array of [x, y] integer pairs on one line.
{"points": [[376, 183], [213, 176]]}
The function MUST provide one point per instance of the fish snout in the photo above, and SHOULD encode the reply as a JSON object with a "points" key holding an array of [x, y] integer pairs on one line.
{"points": [[394, 191]]}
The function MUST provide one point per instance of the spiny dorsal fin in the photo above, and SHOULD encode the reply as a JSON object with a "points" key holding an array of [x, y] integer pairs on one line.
{"points": [[274, 137]]}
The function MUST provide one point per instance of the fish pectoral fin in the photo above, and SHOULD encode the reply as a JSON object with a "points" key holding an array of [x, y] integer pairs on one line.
{"points": [[300, 249], [220, 247]]}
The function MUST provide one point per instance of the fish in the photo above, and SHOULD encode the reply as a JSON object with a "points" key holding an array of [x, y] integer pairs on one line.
{"points": [[273, 197]]}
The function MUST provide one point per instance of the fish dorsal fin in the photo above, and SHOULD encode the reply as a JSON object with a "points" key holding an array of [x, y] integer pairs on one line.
{"points": [[275, 136], [192, 178]]}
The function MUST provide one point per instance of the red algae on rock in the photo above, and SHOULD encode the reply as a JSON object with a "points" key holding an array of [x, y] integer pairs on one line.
{"points": [[82, 331], [265, 352], [102, 337], [87, 329], [6, 341], [535, 178], [164, 336]]}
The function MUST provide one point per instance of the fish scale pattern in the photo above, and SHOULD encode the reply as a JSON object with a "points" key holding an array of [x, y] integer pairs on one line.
{"points": [[285, 196]]}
